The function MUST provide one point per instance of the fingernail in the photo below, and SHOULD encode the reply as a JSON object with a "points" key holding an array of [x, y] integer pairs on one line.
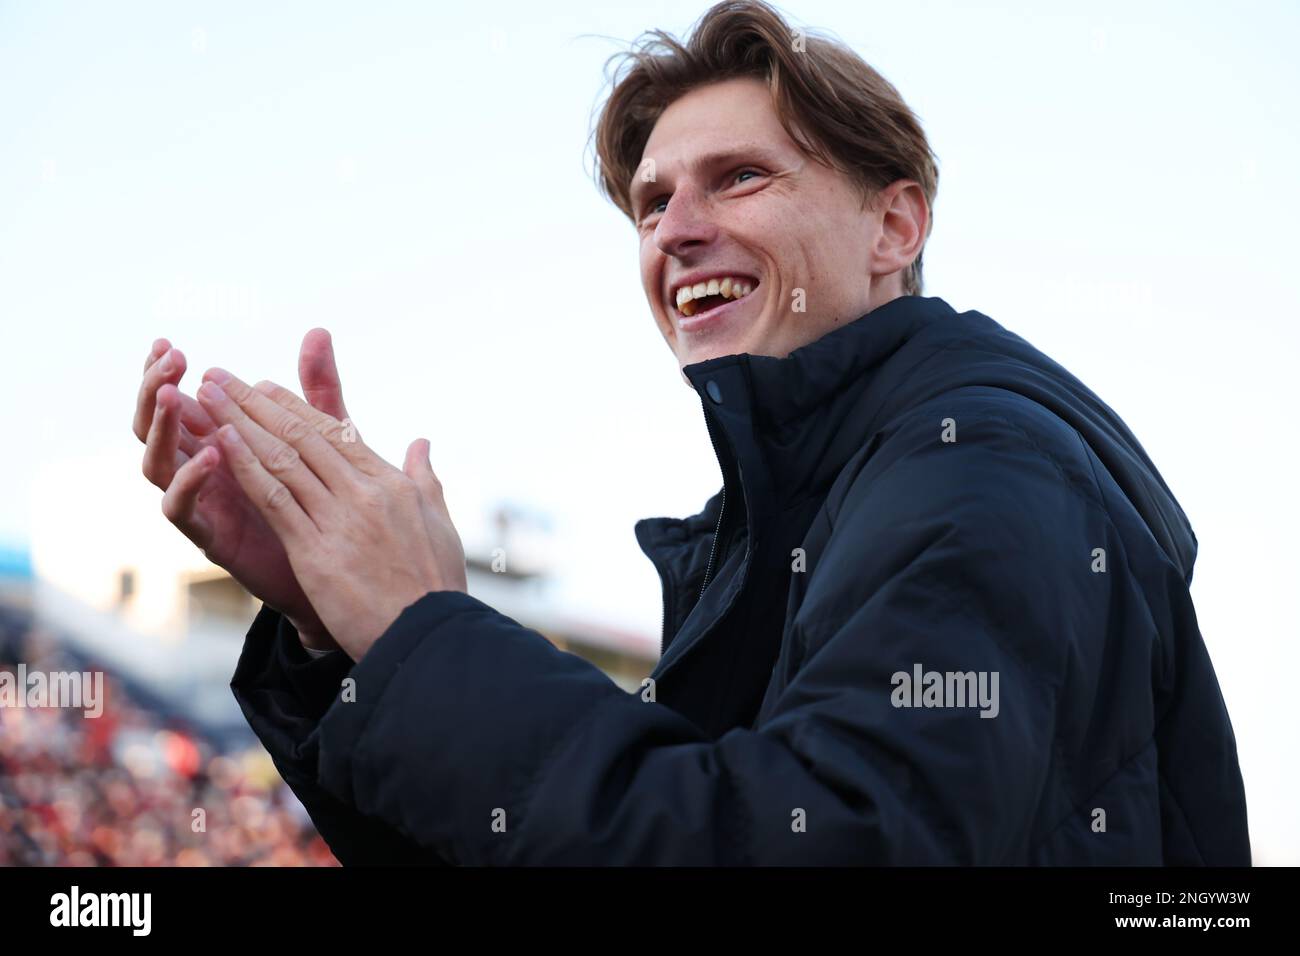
{"points": [[218, 375], [166, 365], [228, 434]]}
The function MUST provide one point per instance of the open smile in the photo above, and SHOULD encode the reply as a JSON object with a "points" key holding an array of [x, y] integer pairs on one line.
{"points": [[706, 302]]}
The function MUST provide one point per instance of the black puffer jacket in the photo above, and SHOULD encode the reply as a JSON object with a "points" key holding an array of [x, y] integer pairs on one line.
{"points": [[938, 613]]}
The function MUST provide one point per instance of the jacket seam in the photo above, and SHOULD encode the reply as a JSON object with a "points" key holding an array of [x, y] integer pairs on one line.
{"points": [[1087, 454], [1076, 808], [1095, 501]]}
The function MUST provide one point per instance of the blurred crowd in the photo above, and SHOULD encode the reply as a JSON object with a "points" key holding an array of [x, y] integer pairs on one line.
{"points": [[133, 787]]}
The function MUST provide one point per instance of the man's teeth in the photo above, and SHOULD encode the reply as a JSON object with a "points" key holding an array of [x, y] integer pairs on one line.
{"points": [[728, 288]]}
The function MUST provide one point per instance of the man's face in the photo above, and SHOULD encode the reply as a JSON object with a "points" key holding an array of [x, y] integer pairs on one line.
{"points": [[749, 205]]}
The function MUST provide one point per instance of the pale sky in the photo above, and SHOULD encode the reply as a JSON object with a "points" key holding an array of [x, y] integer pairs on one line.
{"points": [[1117, 186]]}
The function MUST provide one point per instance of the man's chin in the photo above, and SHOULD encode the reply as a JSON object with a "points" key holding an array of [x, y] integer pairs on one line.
{"points": [[702, 350], [696, 356]]}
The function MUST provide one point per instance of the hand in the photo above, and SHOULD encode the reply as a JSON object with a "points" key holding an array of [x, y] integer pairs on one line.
{"points": [[202, 498], [365, 540]]}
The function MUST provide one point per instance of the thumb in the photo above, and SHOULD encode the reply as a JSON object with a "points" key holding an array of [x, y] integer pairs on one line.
{"points": [[319, 374], [420, 471]]}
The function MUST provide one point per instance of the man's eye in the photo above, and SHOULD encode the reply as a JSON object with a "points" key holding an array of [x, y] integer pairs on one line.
{"points": [[652, 207]]}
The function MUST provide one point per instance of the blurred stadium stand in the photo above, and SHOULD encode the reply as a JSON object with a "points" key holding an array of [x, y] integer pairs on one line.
{"points": [[141, 785], [170, 774]]}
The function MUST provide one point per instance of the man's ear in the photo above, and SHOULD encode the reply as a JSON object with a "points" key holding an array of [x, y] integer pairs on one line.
{"points": [[904, 217]]}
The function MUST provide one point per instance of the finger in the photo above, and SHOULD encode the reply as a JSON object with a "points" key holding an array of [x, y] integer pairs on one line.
{"points": [[271, 497], [162, 455], [180, 501], [286, 446], [167, 370], [342, 437], [419, 469], [318, 374], [195, 422], [156, 351]]}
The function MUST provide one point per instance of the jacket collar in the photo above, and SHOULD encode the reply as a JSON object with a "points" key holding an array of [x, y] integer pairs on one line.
{"points": [[783, 428]]}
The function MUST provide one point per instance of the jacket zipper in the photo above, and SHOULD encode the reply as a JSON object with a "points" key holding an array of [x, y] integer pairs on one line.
{"points": [[713, 549], [663, 615]]}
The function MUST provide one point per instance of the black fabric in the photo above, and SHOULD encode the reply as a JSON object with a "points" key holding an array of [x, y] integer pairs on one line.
{"points": [[283, 693], [917, 489]]}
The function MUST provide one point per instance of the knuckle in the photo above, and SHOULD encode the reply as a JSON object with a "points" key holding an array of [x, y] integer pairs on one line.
{"points": [[293, 429], [332, 429], [283, 458], [371, 494], [278, 497]]}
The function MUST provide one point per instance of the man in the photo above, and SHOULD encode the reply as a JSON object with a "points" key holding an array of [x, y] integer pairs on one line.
{"points": [[937, 613]]}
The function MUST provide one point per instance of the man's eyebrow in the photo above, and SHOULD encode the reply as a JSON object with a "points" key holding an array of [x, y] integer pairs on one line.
{"points": [[745, 151]]}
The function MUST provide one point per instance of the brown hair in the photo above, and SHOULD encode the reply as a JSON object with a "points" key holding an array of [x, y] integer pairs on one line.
{"points": [[829, 100]]}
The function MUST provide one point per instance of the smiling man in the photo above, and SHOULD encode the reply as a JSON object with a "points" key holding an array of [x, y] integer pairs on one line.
{"points": [[938, 612], [758, 229]]}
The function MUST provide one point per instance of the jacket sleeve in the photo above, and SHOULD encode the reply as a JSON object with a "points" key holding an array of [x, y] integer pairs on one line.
{"points": [[481, 740], [283, 692]]}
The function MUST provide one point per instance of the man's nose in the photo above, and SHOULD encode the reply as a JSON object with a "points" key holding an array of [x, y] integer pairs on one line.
{"points": [[687, 221]]}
